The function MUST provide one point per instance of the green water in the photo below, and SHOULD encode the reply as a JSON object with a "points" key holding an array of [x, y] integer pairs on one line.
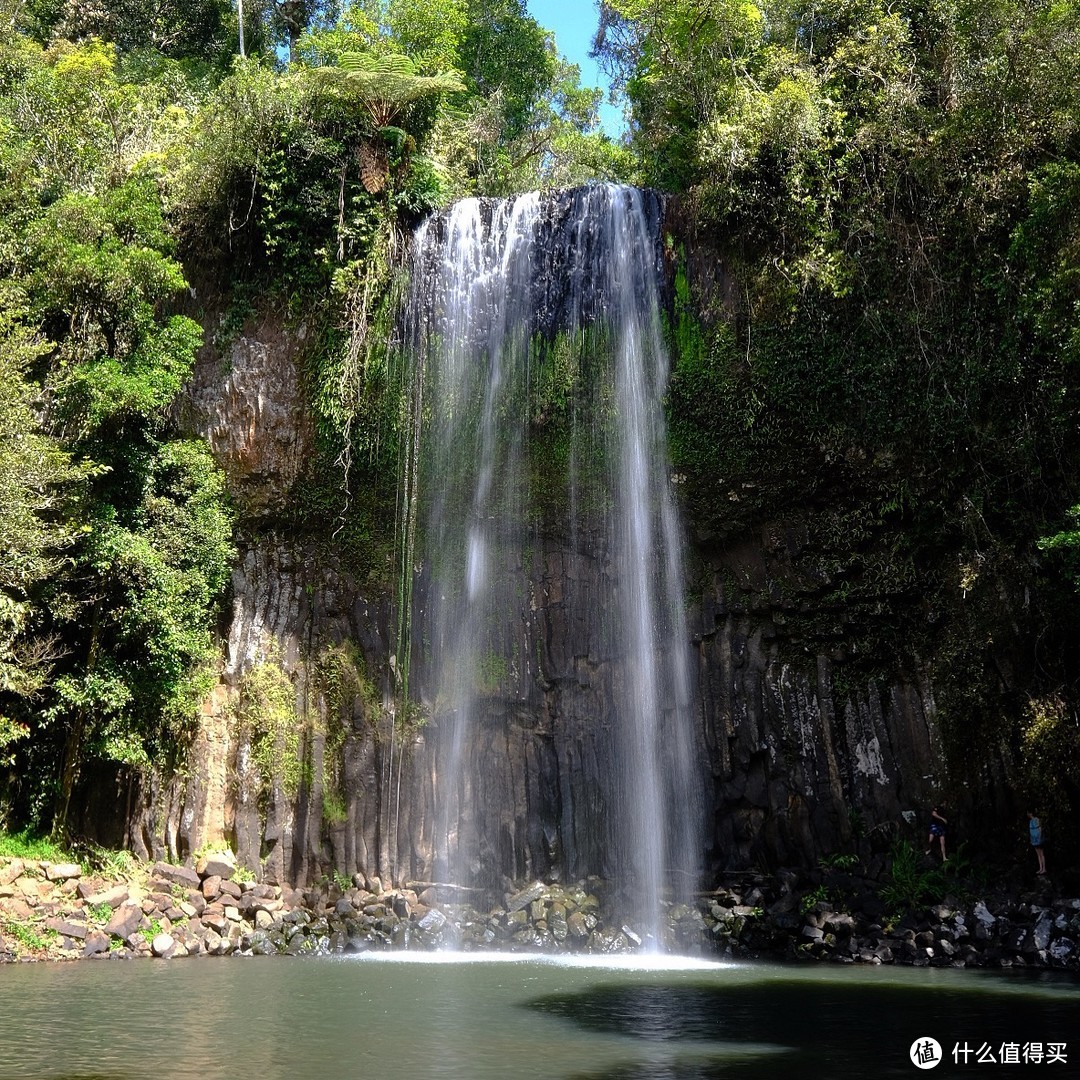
{"points": [[415, 1017]]}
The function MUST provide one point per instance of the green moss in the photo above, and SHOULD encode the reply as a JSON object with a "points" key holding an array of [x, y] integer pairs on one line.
{"points": [[492, 670], [267, 719]]}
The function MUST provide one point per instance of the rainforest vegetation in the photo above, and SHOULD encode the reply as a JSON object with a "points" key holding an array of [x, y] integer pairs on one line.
{"points": [[874, 313]]}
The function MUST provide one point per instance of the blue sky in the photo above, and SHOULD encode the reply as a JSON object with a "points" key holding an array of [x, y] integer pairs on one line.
{"points": [[574, 23]]}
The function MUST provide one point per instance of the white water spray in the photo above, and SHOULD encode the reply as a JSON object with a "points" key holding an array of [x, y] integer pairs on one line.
{"points": [[537, 327]]}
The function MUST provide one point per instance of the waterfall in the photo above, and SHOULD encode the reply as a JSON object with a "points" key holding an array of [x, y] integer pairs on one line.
{"points": [[548, 552]]}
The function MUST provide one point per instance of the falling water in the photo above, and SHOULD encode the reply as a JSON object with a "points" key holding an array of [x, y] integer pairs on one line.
{"points": [[538, 382]]}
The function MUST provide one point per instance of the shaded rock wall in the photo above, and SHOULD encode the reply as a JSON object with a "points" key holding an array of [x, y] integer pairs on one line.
{"points": [[793, 766]]}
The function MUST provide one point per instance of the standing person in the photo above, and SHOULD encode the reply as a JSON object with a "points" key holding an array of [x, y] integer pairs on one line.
{"points": [[1035, 832], [937, 831]]}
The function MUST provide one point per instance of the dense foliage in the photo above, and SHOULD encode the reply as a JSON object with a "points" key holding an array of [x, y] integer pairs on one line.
{"points": [[275, 149], [877, 325], [875, 314]]}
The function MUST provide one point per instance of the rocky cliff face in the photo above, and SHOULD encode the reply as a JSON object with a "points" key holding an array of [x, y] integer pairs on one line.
{"points": [[798, 757], [795, 767]]}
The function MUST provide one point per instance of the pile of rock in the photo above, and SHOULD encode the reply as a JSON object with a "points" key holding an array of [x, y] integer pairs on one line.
{"points": [[51, 910], [776, 919]]}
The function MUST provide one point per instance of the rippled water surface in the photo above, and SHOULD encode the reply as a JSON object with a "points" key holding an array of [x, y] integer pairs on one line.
{"points": [[482, 1017]]}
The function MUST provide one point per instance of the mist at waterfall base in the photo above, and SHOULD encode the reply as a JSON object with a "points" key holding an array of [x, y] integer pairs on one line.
{"points": [[538, 382]]}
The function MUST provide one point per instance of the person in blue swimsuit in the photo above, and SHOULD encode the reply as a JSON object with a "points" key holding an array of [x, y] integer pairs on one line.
{"points": [[1035, 832], [937, 832]]}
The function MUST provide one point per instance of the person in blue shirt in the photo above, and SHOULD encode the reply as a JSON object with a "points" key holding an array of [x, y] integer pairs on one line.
{"points": [[1035, 832]]}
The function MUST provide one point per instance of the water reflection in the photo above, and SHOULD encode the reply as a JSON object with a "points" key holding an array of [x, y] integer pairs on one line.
{"points": [[511, 1019], [836, 1029]]}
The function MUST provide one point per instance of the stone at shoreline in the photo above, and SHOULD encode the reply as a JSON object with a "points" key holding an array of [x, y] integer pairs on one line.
{"points": [[96, 941], [577, 926], [216, 864], [11, 871], [176, 875], [67, 928], [215, 920], [18, 908], [163, 945], [32, 888], [62, 871], [527, 896], [114, 897], [125, 920]]}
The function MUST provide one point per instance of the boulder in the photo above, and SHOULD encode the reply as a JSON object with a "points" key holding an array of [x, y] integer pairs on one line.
{"points": [[62, 871], [1062, 949], [114, 897], [231, 888], [261, 944], [125, 921], [67, 928], [96, 941], [433, 921], [11, 871], [34, 889], [220, 864], [176, 875], [577, 927], [214, 917], [521, 900], [211, 888], [163, 945], [18, 909], [1041, 933]]}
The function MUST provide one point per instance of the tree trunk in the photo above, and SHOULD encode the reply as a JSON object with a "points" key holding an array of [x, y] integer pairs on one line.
{"points": [[69, 774]]}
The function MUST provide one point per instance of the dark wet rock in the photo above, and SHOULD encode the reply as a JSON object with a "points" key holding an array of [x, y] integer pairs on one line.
{"points": [[577, 927], [525, 897], [433, 921], [299, 944]]}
